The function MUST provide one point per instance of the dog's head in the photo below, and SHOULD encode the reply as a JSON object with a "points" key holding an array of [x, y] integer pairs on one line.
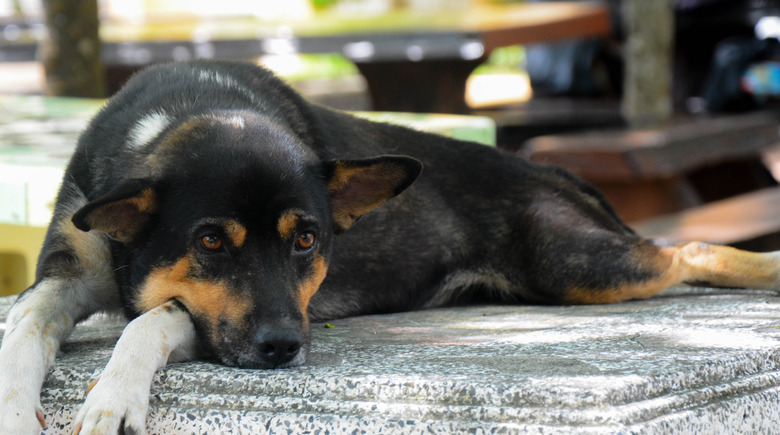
{"points": [[235, 219]]}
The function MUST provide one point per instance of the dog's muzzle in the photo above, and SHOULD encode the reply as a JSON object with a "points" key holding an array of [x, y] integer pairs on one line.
{"points": [[278, 347]]}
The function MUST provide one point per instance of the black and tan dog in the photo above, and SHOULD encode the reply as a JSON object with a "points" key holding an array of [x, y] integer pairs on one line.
{"points": [[208, 200]]}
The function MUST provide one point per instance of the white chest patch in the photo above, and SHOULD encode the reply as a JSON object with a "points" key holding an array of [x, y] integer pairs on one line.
{"points": [[148, 128]]}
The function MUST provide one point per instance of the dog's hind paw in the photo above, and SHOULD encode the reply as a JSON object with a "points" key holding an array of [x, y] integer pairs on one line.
{"points": [[111, 411]]}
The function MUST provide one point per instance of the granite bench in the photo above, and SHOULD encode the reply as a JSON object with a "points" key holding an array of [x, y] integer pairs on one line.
{"points": [[687, 361]]}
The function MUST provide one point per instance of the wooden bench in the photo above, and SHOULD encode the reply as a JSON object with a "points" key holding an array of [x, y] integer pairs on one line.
{"points": [[750, 221]]}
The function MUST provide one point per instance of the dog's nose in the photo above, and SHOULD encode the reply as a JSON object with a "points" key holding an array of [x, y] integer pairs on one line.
{"points": [[279, 346]]}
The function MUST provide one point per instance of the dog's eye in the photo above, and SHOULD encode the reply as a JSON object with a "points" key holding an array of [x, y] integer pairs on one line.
{"points": [[211, 242], [305, 241]]}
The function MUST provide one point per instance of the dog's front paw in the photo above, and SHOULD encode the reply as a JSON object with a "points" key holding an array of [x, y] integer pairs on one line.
{"points": [[20, 409], [109, 410], [20, 419]]}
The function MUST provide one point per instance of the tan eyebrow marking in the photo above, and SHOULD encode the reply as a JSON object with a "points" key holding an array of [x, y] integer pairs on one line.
{"points": [[235, 231], [287, 223]]}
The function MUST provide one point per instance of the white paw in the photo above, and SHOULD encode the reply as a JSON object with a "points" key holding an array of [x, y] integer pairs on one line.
{"points": [[110, 409], [16, 418], [20, 406]]}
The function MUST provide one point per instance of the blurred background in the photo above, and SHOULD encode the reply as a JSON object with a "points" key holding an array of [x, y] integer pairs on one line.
{"points": [[536, 67], [323, 72]]}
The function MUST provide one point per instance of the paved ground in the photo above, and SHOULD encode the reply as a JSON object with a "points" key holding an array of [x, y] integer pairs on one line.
{"points": [[691, 361]]}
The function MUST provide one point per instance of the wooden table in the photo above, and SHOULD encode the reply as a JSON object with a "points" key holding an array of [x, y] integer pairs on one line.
{"points": [[412, 60]]}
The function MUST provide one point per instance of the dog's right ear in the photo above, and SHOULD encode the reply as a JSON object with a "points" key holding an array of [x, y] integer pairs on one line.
{"points": [[122, 213]]}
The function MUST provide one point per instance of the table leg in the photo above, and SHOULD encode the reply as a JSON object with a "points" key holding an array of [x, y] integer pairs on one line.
{"points": [[428, 86]]}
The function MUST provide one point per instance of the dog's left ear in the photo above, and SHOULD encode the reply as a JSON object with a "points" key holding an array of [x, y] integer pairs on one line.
{"points": [[122, 213], [358, 186]]}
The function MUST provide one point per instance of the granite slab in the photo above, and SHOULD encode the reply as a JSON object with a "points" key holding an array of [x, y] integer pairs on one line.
{"points": [[687, 361]]}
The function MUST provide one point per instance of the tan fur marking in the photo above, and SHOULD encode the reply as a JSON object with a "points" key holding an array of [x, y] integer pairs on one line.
{"points": [[642, 290], [236, 232], [664, 261], [311, 284], [729, 267], [146, 201], [91, 250], [157, 161], [357, 190], [120, 219], [211, 300], [287, 224], [692, 262], [180, 135], [92, 384], [341, 176]]}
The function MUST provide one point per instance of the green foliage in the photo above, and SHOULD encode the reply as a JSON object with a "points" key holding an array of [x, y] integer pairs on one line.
{"points": [[503, 60]]}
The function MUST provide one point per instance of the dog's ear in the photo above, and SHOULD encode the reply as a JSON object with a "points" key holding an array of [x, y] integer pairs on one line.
{"points": [[122, 213], [358, 186]]}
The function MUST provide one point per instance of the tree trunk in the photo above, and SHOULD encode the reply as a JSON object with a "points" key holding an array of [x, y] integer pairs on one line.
{"points": [[649, 26], [71, 51]]}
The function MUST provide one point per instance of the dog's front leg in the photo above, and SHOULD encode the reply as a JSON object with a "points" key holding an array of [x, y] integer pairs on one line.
{"points": [[37, 323], [120, 399]]}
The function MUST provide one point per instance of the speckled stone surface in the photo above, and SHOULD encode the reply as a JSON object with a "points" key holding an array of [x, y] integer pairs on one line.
{"points": [[690, 360]]}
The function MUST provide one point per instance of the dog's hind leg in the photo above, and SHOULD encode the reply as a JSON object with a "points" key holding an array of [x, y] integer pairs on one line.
{"points": [[692, 263], [75, 279]]}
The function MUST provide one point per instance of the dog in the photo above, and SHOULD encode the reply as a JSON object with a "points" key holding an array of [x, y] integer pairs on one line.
{"points": [[219, 210]]}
